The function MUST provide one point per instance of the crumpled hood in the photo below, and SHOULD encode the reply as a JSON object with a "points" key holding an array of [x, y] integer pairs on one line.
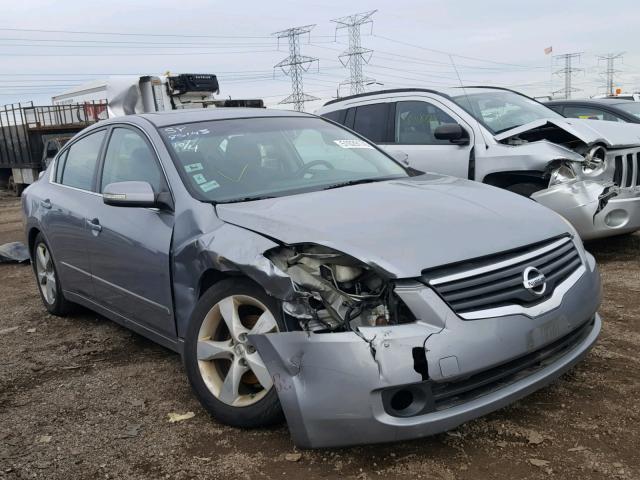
{"points": [[402, 226], [612, 134]]}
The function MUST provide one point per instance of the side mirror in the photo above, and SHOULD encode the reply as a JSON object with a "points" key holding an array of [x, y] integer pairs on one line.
{"points": [[452, 132], [129, 194]]}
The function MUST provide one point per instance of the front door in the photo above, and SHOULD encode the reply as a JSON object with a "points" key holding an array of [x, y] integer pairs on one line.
{"points": [[129, 247], [415, 124]]}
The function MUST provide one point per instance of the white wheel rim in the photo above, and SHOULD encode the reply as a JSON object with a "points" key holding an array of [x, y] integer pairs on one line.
{"points": [[45, 274], [230, 367]]}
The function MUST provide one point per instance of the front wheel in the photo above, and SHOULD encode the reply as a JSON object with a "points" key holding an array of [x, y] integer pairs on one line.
{"points": [[225, 371]]}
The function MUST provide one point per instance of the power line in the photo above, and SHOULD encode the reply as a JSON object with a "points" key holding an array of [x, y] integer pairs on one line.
{"points": [[610, 71], [295, 65], [567, 72], [355, 55]]}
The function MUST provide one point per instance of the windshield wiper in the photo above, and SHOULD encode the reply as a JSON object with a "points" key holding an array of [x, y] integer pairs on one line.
{"points": [[246, 199], [348, 183]]}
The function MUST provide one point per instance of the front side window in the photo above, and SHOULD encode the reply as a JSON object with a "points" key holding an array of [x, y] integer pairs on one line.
{"points": [[371, 121], [500, 110], [416, 122], [241, 159], [79, 167], [129, 158], [589, 113]]}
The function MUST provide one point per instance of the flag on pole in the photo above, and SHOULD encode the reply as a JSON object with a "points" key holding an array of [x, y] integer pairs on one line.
{"points": [[548, 50]]}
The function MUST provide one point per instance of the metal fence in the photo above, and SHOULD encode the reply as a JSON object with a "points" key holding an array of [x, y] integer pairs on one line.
{"points": [[19, 123]]}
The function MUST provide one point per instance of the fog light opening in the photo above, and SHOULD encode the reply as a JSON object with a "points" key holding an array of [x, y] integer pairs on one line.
{"points": [[616, 218], [401, 400]]}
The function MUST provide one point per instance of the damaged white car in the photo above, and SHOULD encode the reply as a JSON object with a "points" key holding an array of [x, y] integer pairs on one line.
{"points": [[586, 170], [299, 270]]}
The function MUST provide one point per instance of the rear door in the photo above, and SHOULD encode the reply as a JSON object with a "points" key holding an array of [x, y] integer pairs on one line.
{"points": [[64, 223], [129, 247]]}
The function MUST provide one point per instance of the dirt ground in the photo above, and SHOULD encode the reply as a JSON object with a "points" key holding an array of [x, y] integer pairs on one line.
{"points": [[81, 397]]}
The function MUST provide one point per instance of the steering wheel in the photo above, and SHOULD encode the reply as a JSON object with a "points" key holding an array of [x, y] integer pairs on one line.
{"points": [[308, 166]]}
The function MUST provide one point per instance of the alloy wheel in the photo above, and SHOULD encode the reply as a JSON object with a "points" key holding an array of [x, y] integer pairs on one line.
{"points": [[230, 367], [45, 273]]}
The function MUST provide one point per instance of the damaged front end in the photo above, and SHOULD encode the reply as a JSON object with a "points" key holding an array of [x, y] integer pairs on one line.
{"points": [[380, 359], [599, 195], [336, 292], [593, 179]]}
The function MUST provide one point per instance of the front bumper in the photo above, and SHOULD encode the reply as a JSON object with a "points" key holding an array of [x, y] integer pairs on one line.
{"points": [[334, 387], [579, 203]]}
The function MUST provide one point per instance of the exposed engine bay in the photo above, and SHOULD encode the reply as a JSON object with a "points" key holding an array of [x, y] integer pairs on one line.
{"points": [[337, 292]]}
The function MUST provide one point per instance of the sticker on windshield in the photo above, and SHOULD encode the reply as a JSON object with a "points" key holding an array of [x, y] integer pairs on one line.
{"points": [[199, 178], [205, 187], [352, 144], [194, 167]]}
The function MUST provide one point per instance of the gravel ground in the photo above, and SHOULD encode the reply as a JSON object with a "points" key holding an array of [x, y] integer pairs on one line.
{"points": [[81, 397]]}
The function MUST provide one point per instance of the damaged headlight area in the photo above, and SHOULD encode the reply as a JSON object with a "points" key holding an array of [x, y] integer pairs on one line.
{"points": [[561, 172], [595, 161], [336, 292]]}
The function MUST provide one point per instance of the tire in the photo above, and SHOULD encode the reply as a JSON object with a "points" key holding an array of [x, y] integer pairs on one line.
{"points": [[525, 189], [47, 279], [215, 355]]}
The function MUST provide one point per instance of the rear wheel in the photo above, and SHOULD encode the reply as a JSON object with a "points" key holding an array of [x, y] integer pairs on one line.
{"points": [[47, 278], [226, 372], [525, 189]]}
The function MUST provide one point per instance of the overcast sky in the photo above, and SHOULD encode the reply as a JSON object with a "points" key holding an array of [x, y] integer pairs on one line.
{"points": [[492, 42]]}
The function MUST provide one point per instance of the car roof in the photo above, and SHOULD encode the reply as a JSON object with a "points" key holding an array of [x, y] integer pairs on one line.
{"points": [[590, 101], [188, 115], [445, 92]]}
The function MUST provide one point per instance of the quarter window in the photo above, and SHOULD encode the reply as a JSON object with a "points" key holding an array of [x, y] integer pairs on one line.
{"points": [[337, 116], [129, 158], [79, 167], [417, 121], [371, 121]]}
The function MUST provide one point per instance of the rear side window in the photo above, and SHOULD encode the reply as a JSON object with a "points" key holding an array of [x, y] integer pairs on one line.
{"points": [[337, 116], [371, 121], [129, 158], [79, 167], [416, 122]]}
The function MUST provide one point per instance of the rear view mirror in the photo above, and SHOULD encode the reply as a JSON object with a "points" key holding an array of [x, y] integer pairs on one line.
{"points": [[452, 132], [129, 194]]}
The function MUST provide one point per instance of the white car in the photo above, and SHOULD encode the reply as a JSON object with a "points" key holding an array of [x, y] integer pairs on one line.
{"points": [[586, 170]]}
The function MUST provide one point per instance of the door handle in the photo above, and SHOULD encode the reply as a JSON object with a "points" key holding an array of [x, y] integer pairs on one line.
{"points": [[45, 203], [94, 224]]}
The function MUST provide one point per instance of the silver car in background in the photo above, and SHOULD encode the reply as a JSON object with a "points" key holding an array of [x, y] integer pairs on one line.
{"points": [[299, 270], [586, 170]]}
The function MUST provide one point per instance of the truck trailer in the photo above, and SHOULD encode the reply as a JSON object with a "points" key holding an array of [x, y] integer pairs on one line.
{"points": [[31, 135]]}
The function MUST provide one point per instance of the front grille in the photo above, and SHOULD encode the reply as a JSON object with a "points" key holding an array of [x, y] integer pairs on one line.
{"points": [[627, 169], [498, 280]]}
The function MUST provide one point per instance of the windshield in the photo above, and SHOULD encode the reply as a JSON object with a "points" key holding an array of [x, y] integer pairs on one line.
{"points": [[500, 110], [251, 158], [632, 107]]}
